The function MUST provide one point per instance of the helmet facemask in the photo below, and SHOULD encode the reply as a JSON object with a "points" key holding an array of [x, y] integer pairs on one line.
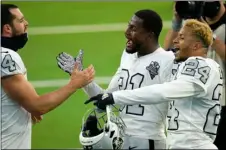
{"points": [[102, 130]]}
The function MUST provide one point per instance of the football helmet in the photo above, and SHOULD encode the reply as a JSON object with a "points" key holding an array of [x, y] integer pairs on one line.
{"points": [[102, 130]]}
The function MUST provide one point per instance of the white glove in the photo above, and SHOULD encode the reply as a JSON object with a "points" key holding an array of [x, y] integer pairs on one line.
{"points": [[66, 62], [79, 59]]}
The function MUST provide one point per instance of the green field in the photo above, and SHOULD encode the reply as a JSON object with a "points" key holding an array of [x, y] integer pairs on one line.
{"points": [[60, 128]]}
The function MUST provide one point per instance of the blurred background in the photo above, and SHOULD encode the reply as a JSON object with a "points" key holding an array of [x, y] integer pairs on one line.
{"points": [[96, 27]]}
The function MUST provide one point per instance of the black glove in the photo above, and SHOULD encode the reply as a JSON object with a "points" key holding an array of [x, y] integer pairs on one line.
{"points": [[101, 100]]}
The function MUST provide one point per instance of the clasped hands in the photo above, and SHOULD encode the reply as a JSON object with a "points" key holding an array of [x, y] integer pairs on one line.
{"points": [[66, 62]]}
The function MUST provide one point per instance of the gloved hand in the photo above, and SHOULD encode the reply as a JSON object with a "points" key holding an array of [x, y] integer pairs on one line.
{"points": [[101, 100], [66, 62]]}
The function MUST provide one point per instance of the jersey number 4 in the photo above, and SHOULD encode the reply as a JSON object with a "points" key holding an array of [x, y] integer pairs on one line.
{"points": [[131, 82], [8, 63]]}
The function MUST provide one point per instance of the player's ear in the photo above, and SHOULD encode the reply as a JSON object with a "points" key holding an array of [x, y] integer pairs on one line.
{"points": [[7, 29], [196, 46], [151, 35]]}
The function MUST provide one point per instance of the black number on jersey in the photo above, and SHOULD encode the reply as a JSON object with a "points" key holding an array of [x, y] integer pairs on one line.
{"points": [[213, 116], [221, 73], [212, 120], [125, 82], [217, 92], [190, 69], [173, 115], [8, 63], [175, 68], [190, 66]]}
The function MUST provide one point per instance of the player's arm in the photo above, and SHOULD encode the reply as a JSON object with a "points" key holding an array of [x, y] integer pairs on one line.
{"points": [[153, 94], [158, 93], [173, 32], [170, 36], [191, 78], [219, 46], [93, 88], [20, 90], [189, 83]]}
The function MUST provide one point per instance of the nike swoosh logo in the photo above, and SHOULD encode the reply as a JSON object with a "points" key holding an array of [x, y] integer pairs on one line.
{"points": [[4, 52], [132, 147]]}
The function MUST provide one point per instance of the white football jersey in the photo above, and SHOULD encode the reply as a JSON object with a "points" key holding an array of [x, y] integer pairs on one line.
{"points": [[145, 121], [193, 122], [16, 121], [194, 93]]}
